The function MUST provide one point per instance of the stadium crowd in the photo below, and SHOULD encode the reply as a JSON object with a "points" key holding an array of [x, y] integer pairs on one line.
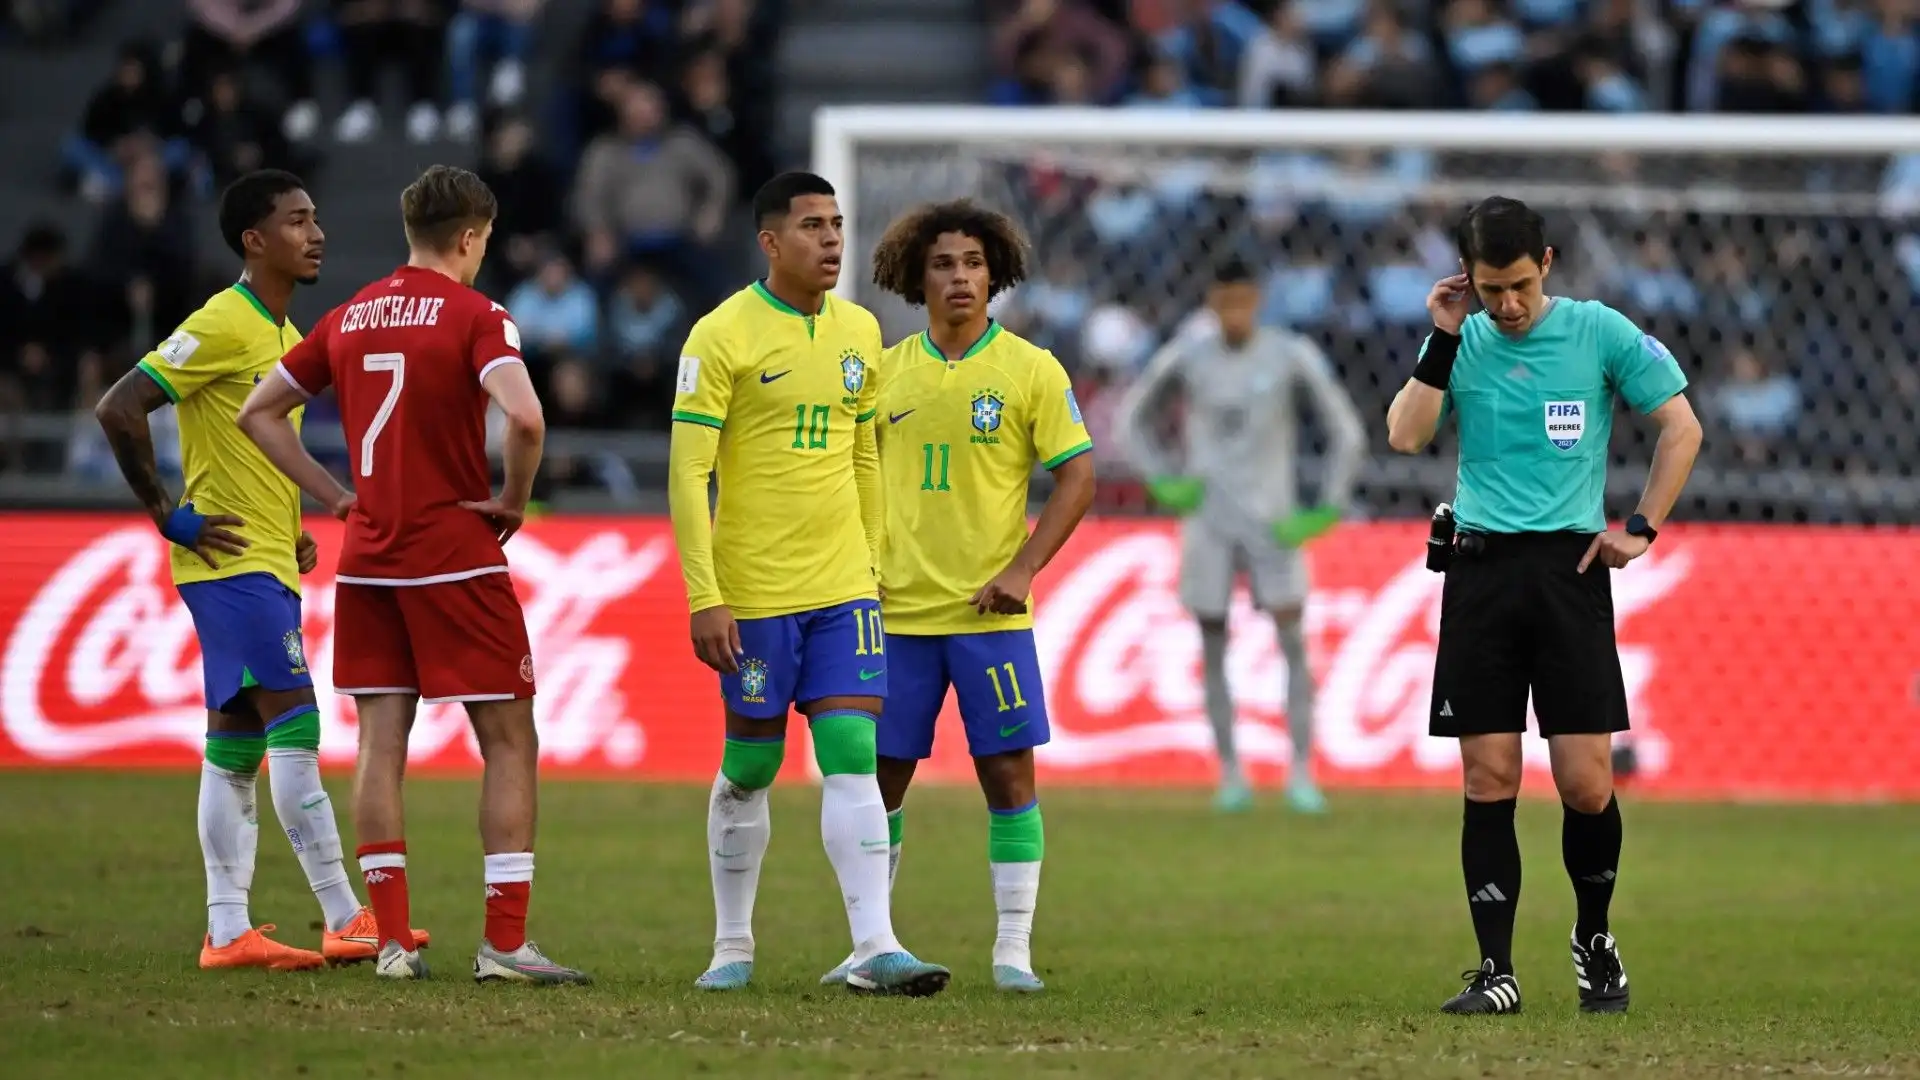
{"points": [[605, 254]]}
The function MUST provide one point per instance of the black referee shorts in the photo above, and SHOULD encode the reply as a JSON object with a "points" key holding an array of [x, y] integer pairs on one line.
{"points": [[1516, 616]]}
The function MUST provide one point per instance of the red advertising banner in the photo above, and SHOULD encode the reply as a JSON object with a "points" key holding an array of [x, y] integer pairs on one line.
{"points": [[1760, 661]]}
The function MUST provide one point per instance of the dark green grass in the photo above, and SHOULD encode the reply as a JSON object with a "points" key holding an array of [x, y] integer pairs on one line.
{"points": [[1769, 940]]}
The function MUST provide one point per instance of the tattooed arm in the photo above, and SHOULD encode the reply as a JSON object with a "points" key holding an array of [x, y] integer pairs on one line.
{"points": [[122, 414]]}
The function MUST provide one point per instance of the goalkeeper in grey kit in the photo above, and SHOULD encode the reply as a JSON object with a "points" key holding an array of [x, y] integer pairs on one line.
{"points": [[1237, 486]]}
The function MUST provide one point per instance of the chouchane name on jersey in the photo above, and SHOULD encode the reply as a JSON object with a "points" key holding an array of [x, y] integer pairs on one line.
{"points": [[1120, 658], [390, 311], [104, 659]]}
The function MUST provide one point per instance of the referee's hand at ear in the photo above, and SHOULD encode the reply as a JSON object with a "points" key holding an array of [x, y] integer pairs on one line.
{"points": [[1614, 549]]}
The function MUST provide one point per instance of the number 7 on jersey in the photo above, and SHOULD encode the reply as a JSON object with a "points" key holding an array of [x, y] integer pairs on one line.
{"points": [[397, 364]]}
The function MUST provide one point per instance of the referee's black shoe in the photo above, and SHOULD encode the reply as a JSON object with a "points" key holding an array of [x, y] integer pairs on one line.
{"points": [[1602, 978], [1486, 994]]}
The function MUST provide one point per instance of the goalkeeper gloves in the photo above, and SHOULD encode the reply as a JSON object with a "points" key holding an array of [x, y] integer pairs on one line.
{"points": [[1303, 525], [1180, 494]]}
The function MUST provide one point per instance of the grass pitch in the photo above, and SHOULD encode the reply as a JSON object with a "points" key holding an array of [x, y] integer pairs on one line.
{"points": [[1764, 940]]}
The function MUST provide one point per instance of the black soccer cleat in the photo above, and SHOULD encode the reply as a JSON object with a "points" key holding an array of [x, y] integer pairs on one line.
{"points": [[1602, 978], [1486, 994]]}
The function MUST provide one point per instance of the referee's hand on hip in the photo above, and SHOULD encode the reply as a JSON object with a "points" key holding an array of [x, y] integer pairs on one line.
{"points": [[1614, 549]]}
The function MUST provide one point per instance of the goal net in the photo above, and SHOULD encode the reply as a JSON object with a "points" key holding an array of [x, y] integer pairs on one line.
{"points": [[1779, 259]]}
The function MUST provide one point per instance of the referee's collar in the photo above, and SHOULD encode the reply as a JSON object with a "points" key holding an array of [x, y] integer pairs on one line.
{"points": [[1553, 304]]}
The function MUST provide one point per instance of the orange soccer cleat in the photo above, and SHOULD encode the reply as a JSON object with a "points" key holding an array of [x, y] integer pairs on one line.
{"points": [[254, 949], [359, 940]]}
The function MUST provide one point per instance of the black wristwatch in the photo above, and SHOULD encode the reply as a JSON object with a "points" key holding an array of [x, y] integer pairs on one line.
{"points": [[1637, 526]]}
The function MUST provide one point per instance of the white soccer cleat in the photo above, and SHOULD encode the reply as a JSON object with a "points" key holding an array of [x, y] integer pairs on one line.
{"points": [[398, 963]]}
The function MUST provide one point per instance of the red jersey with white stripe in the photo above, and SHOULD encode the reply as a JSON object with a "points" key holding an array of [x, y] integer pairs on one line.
{"points": [[405, 357]]}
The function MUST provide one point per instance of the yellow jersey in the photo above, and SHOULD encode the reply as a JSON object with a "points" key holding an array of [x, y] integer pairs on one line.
{"points": [[778, 405], [207, 368], [958, 442]]}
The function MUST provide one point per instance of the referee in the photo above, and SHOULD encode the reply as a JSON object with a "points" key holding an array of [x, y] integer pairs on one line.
{"points": [[1528, 604]]}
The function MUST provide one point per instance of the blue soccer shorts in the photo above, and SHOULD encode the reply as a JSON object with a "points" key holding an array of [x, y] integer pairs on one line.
{"points": [[786, 660], [996, 676], [249, 630]]}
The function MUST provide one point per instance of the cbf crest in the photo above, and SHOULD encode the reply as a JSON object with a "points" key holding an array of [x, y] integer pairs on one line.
{"points": [[853, 375], [1566, 421], [296, 655], [988, 407], [753, 681]]}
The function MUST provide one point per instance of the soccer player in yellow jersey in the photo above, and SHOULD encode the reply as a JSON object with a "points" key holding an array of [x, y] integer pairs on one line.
{"points": [[966, 412], [238, 553], [775, 398]]}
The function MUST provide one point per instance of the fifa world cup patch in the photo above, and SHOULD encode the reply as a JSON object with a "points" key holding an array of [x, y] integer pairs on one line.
{"points": [[511, 332], [1566, 422], [1073, 406], [177, 348], [689, 376]]}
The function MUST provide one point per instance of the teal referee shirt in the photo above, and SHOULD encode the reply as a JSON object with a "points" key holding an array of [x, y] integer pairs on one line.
{"points": [[1536, 414]]}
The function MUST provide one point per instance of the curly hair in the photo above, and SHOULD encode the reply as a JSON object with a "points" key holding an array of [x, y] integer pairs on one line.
{"points": [[900, 259]]}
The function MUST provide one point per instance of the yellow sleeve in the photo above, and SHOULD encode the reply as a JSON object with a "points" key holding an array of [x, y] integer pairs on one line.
{"points": [[702, 391], [1059, 435], [866, 454], [192, 356]]}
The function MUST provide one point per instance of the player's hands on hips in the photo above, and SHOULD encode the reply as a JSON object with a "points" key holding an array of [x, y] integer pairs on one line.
{"points": [[1449, 302], [1303, 525], [1006, 594], [716, 639], [1614, 549], [505, 518], [344, 505], [203, 534], [1180, 494], [306, 553]]}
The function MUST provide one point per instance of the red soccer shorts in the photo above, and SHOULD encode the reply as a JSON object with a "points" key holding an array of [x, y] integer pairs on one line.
{"points": [[449, 641]]}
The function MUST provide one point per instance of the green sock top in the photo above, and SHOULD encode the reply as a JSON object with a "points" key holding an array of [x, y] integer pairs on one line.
{"points": [[1016, 835]]}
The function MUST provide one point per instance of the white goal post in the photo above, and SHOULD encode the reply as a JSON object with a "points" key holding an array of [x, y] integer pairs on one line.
{"points": [[1779, 256]]}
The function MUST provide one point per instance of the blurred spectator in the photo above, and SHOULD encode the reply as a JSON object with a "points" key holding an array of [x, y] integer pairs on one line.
{"points": [[1164, 85], [654, 189], [376, 34], [1496, 88], [142, 258], [646, 322], [741, 32], [558, 317], [1758, 406], [1387, 65], [1760, 75], [1280, 69], [264, 37], [234, 136], [530, 200], [1605, 86], [495, 34], [1890, 57], [708, 101], [626, 41], [1059, 29], [1478, 35], [45, 308], [1208, 45], [128, 117]]}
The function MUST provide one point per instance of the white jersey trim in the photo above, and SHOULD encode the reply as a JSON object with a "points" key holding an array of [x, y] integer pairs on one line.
{"points": [[466, 697], [431, 579], [357, 691], [291, 381], [496, 362]]}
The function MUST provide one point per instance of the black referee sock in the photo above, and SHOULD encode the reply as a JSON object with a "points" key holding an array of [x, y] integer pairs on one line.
{"points": [[1490, 859], [1590, 846]]}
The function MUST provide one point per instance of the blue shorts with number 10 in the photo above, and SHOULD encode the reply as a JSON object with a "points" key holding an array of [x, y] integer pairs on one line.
{"points": [[793, 659], [996, 676]]}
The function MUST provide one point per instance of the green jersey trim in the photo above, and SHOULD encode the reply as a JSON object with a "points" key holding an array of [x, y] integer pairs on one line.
{"points": [[1066, 455], [986, 339], [154, 374], [683, 416], [254, 301], [760, 289], [866, 416]]}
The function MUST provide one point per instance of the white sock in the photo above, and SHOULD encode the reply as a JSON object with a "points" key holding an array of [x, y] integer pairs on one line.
{"points": [[893, 872], [305, 811], [1219, 698], [853, 826], [1293, 645], [229, 835], [1016, 890], [739, 823]]}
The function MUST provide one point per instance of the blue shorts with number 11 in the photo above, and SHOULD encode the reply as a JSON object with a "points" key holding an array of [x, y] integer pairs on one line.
{"points": [[788, 660], [996, 676]]}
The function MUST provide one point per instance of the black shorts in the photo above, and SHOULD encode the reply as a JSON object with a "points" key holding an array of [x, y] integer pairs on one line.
{"points": [[1517, 616]]}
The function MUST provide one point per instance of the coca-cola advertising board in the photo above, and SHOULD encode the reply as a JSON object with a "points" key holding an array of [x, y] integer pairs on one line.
{"points": [[1760, 661]]}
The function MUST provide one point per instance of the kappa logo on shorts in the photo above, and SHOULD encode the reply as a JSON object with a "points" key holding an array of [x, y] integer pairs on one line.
{"points": [[1566, 421], [526, 667], [753, 681], [296, 655]]}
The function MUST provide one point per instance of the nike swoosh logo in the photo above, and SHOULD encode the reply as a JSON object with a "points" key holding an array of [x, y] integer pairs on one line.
{"points": [[766, 377], [728, 854], [894, 418], [865, 674], [1007, 732]]}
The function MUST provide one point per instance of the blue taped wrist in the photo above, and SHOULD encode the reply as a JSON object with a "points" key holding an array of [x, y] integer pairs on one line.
{"points": [[183, 525]]}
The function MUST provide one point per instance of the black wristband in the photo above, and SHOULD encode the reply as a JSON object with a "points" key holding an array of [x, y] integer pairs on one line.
{"points": [[1436, 364]]}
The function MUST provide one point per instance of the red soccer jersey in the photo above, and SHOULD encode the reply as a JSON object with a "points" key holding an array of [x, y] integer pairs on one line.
{"points": [[405, 357]]}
